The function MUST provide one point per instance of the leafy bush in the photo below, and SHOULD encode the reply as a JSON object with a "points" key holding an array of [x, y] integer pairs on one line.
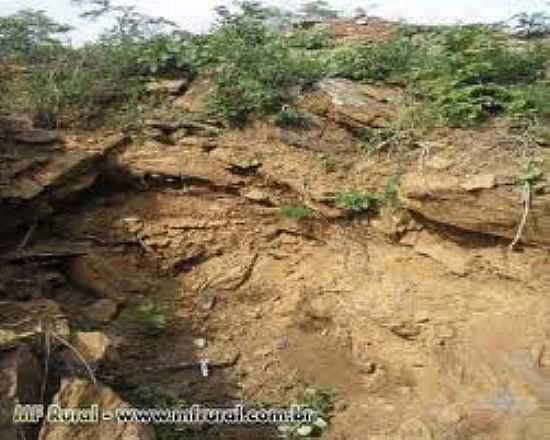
{"points": [[149, 318], [289, 117], [533, 25], [476, 55], [471, 73], [29, 34], [257, 68], [357, 201], [311, 40], [85, 81], [318, 10], [532, 99], [471, 104], [374, 137], [320, 404], [295, 212], [374, 61], [174, 54]]}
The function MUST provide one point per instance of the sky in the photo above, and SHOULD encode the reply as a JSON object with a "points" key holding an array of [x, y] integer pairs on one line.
{"points": [[197, 15]]}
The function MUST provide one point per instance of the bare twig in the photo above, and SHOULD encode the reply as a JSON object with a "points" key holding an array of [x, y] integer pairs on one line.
{"points": [[78, 354], [526, 199], [16, 324], [423, 157], [27, 237], [47, 343], [103, 242], [38, 256]]}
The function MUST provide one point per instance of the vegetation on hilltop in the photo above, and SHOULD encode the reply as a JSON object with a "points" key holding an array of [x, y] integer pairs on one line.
{"points": [[463, 74]]}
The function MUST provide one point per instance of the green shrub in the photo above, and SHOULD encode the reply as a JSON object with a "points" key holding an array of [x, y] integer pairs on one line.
{"points": [[86, 81], [289, 117], [469, 105], [533, 25], [295, 212], [149, 318], [374, 137], [470, 74], [357, 201], [311, 40], [257, 68], [531, 100], [320, 404], [170, 54], [391, 191], [30, 35], [374, 61], [533, 174]]}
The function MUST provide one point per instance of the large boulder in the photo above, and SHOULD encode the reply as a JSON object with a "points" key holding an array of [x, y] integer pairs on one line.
{"points": [[77, 393], [479, 204], [33, 182], [358, 105]]}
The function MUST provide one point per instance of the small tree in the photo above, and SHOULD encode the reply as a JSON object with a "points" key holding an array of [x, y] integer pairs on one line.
{"points": [[319, 10], [26, 32], [130, 25], [532, 25]]}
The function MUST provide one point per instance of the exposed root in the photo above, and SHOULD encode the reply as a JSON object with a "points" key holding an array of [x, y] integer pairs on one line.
{"points": [[75, 351], [47, 346], [424, 156], [21, 247], [526, 199]]}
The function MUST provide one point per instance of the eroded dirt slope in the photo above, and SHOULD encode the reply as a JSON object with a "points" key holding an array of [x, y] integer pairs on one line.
{"points": [[417, 316]]}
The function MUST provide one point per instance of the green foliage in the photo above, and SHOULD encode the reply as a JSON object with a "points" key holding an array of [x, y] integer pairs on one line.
{"points": [[29, 34], [463, 106], [311, 40], [149, 318], [465, 73], [472, 73], [374, 61], [533, 25], [318, 10], [173, 54], [329, 163], [533, 174], [152, 396], [99, 77], [391, 190], [130, 25], [531, 99], [357, 201], [290, 118], [320, 404], [155, 396], [89, 80], [257, 68], [476, 55], [295, 212], [374, 137]]}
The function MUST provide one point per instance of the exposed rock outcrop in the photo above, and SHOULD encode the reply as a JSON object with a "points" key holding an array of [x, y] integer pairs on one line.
{"points": [[76, 393], [478, 205], [33, 182]]}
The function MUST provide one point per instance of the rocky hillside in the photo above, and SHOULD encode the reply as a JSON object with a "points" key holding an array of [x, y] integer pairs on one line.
{"points": [[392, 274]]}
